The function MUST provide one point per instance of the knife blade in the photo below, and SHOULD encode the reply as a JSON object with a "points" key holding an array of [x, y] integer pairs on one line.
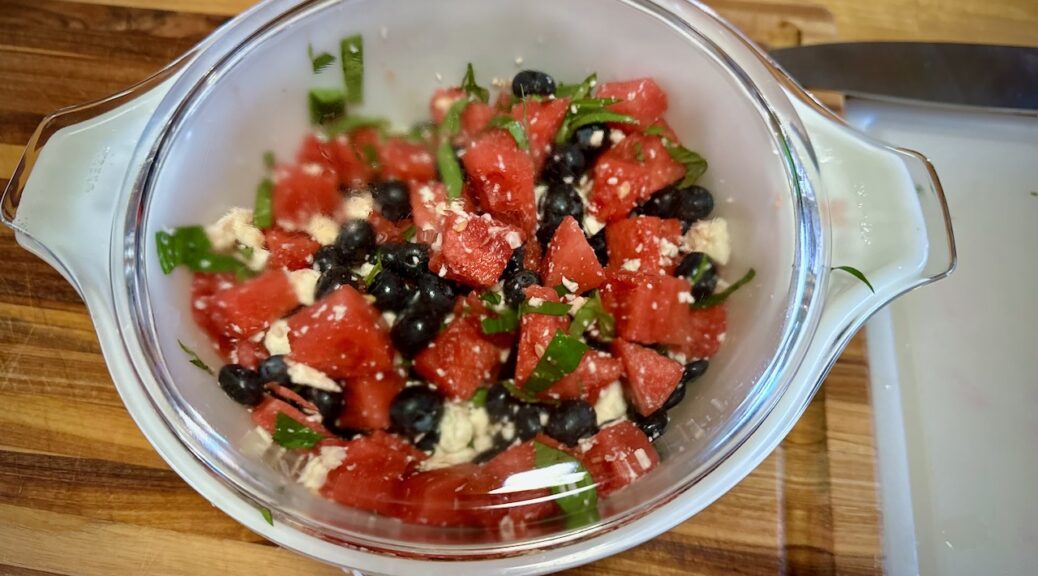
{"points": [[956, 74]]}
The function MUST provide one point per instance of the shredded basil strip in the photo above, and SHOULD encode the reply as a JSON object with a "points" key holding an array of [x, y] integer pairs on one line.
{"points": [[409, 233], [577, 91], [577, 500], [263, 213], [595, 116], [421, 131], [505, 322], [450, 170], [518, 393], [189, 246], [352, 54], [268, 160], [715, 299], [292, 434], [695, 165], [639, 155], [479, 398], [348, 124], [326, 104], [452, 119], [857, 274], [514, 128], [319, 61], [561, 357], [654, 130], [701, 270], [468, 84], [193, 358], [547, 308], [593, 312], [375, 270], [490, 297], [265, 512], [561, 290]]}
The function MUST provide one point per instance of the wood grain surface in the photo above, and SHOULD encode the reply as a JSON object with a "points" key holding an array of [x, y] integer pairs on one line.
{"points": [[82, 492]]}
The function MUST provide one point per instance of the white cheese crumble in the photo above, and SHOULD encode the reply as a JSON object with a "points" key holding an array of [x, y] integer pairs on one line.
{"points": [[616, 136], [711, 238], [592, 225], [570, 285], [610, 405], [632, 264], [304, 283], [322, 229], [465, 431], [686, 298], [597, 137], [358, 206], [317, 468], [305, 375], [643, 459], [236, 228], [276, 339]]}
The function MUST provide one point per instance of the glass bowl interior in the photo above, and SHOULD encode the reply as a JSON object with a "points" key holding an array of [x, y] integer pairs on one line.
{"points": [[208, 158]]}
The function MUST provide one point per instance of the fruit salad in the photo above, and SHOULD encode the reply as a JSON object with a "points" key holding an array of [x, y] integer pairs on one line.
{"points": [[519, 291]]}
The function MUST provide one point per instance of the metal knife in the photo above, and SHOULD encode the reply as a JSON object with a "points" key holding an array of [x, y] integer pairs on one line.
{"points": [[955, 74]]}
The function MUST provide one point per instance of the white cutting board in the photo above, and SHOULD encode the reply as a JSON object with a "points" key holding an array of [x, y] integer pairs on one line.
{"points": [[955, 365]]}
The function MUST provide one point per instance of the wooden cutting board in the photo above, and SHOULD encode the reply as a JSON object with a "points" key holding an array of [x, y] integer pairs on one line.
{"points": [[82, 492]]}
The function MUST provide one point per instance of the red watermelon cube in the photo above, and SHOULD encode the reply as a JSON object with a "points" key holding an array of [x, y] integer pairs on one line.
{"points": [[514, 513], [303, 191], [570, 257], [619, 185], [366, 400], [434, 497], [502, 179], [649, 152], [247, 308], [619, 455], [536, 332], [442, 100], [597, 370], [265, 415], [651, 377], [475, 118], [372, 473], [475, 249], [644, 244], [541, 121], [290, 250], [405, 160], [641, 99], [459, 359], [698, 332]]}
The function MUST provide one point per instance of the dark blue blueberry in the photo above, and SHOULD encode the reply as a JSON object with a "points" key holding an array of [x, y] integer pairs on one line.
{"points": [[274, 369], [500, 404], [570, 421], [329, 404], [532, 83], [652, 425], [391, 292], [414, 329], [527, 421], [435, 294], [598, 244], [416, 410], [565, 165], [333, 278], [408, 259], [244, 386], [393, 199], [356, 241], [327, 257], [516, 285], [705, 281]]}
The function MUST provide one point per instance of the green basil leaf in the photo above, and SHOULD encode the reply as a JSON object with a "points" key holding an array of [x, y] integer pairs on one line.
{"points": [[505, 322], [577, 500], [268, 160], [265, 512], [352, 123], [561, 290], [189, 246], [292, 434], [547, 308], [450, 170], [638, 154], [452, 119], [409, 233], [490, 297], [352, 55], [654, 130], [263, 213], [194, 359], [421, 132], [518, 393], [695, 165], [577, 91], [375, 270], [169, 258], [593, 312], [857, 274], [319, 61], [594, 116], [561, 357], [468, 84], [514, 128], [715, 299], [701, 269], [326, 104], [479, 398]]}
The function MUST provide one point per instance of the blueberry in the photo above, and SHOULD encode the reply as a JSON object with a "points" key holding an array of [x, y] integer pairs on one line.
{"points": [[565, 163], [527, 421], [532, 83], [499, 404], [244, 386], [333, 278], [391, 292], [559, 201], [416, 410], [592, 140], [598, 244], [661, 204], [329, 404], [408, 259], [693, 370], [515, 287], [570, 421], [707, 280], [652, 425], [515, 262], [693, 203], [342, 432], [427, 442], [327, 257], [414, 329], [393, 199], [435, 294], [274, 369], [355, 242]]}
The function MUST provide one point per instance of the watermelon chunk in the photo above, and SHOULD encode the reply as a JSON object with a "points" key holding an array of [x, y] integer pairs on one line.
{"points": [[597, 370], [433, 497], [303, 191], [290, 250], [535, 333], [570, 256], [619, 455], [649, 152], [407, 161], [372, 474], [341, 335], [460, 359], [619, 185], [475, 118], [542, 121], [265, 415], [644, 244], [203, 287], [698, 332], [441, 101], [641, 99], [366, 400], [648, 309], [651, 377], [514, 513], [247, 308], [475, 249], [344, 155], [502, 179]]}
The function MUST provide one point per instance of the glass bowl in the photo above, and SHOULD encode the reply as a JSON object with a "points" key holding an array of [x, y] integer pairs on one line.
{"points": [[801, 192]]}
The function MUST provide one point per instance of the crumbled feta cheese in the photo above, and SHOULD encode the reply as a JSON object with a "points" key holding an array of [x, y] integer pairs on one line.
{"points": [[304, 284], [535, 301], [570, 285], [643, 459], [514, 239], [322, 229], [235, 228], [276, 339], [610, 405], [632, 264], [358, 206], [597, 137], [592, 225], [364, 269], [686, 298], [623, 190], [455, 428], [317, 468], [668, 249], [538, 192], [616, 136], [305, 375], [711, 238]]}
